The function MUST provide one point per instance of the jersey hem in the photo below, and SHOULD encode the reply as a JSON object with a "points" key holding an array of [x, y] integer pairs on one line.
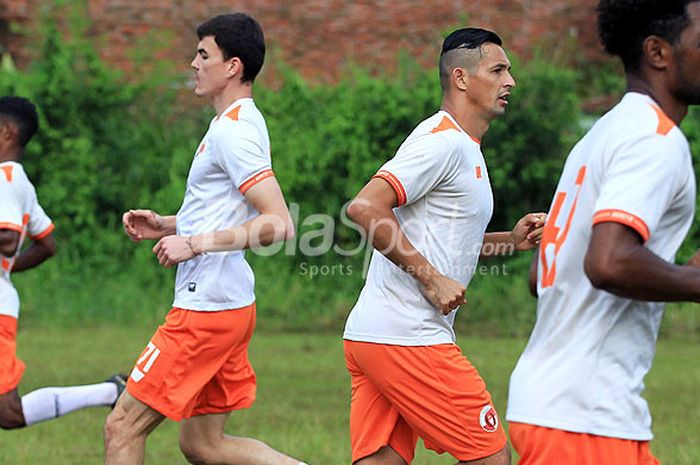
{"points": [[395, 184], [579, 428], [624, 218], [211, 308], [43, 233], [11, 227], [256, 178], [397, 341]]}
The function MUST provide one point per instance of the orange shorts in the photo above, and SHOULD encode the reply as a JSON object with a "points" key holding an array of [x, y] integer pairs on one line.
{"points": [[401, 393], [197, 364], [538, 445], [11, 368]]}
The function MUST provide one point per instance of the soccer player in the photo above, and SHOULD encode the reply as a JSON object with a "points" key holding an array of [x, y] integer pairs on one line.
{"points": [[195, 369], [21, 216], [623, 206], [426, 211]]}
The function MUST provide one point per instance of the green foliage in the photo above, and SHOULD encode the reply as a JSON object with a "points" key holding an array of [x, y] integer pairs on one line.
{"points": [[110, 141], [526, 148], [691, 128]]}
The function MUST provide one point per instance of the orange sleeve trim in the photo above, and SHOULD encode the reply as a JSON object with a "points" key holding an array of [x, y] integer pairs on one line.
{"points": [[43, 234], [622, 217], [245, 187], [665, 123], [8, 172], [11, 227], [233, 114], [395, 184]]}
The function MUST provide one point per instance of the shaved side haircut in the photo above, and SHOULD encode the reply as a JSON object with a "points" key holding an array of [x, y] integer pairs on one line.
{"points": [[464, 49]]}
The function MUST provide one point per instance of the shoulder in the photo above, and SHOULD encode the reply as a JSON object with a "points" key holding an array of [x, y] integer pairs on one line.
{"points": [[240, 122], [638, 119], [436, 136], [12, 174]]}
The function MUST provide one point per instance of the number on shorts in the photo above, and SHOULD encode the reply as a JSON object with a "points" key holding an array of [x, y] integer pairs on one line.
{"points": [[146, 361]]}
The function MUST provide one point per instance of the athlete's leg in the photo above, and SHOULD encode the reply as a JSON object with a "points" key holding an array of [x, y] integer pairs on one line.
{"points": [[501, 457], [53, 402], [384, 456], [126, 430], [203, 442], [11, 416]]}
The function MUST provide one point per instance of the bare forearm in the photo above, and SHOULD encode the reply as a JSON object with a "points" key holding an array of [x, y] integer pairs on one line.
{"points": [[263, 230], [384, 231], [32, 257], [497, 244], [169, 225], [8, 242], [642, 275]]}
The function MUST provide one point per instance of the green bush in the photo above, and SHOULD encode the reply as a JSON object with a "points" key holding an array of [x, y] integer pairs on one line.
{"points": [[110, 142]]}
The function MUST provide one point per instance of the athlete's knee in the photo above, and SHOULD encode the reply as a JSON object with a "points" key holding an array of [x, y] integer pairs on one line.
{"points": [[116, 432], [197, 453], [502, 457]]}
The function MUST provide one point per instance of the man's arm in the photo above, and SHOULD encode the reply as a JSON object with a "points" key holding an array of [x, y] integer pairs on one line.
{"points": [[372, 210], [618, 262], [9, 240], [37, 253], [532, 273], [147, 224], [526, 235], [274, 224]]}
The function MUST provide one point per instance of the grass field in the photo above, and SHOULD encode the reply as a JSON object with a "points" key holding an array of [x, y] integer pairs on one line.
{"points": [[303, 395]]}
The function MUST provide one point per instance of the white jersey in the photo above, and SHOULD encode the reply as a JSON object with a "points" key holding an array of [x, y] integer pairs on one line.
{"points": [[19, 211], [583, 369], [444, 205], [233, 156]]}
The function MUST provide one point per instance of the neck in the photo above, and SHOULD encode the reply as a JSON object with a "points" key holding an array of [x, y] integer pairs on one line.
{"points": [[230, 95], [9, 155], [675, 109], [468, 117]]}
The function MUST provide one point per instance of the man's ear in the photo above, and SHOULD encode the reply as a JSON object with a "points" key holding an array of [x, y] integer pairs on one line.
{"points": [[235, 68], [8, 130], [657, 52], [460, 77]]}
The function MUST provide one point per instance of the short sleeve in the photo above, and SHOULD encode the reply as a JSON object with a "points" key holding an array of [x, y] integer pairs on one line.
{"points": [[40, 225], [418, 167], [242, 155], [639, 184]]}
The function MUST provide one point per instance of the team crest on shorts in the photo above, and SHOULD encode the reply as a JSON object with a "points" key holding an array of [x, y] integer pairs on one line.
{"points": [[488, 419]]}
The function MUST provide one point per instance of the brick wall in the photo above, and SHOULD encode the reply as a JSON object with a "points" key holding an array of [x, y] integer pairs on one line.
{"points": [[321, 38]]}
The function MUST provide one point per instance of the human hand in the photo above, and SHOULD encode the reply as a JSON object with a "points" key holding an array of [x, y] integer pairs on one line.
{"points": [[142, 224], [695, 260], [172, 250], [527, 232], [444, 293]]}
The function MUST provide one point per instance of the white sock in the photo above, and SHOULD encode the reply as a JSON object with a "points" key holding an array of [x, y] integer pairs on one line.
{"points": [[53, 402]]}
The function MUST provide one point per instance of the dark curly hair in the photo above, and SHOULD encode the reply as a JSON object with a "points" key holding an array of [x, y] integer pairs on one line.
{"points": [[237, 35], [624, 24], [22, 112]]}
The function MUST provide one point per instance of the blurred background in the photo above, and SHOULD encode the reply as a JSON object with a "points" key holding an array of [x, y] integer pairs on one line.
{"points": [[342, 86]]}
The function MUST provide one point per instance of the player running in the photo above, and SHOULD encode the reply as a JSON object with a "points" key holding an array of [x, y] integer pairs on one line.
{"points": [[426, 211], [623, 206], [195, 369], [21, 216]]}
